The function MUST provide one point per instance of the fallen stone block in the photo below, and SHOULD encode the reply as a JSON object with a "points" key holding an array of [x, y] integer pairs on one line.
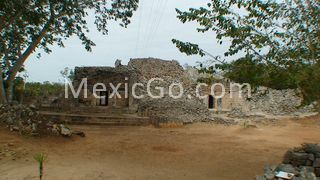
{"points": [[64, 131], [296, 158]]}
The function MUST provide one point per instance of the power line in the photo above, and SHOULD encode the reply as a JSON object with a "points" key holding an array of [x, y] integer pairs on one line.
{"points": [[162, 12], [149, 23], [153, 25], [139, 27]]}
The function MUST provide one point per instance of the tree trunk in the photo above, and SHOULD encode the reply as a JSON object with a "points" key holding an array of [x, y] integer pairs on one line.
{"points": [[21, 60], [3, 99], [9, 91]]}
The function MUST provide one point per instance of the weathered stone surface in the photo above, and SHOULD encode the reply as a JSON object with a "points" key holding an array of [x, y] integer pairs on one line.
{"points": [[276, 102], [311, 156], [316, 163], [311, 148], [317, 172], [26, 120], [306, 173], [64, 131], [268, 173], [33, 107], [296, 158], [287, 168], [14, 128], [309, 162], [188, 108], [307, 168], [298, 162]]}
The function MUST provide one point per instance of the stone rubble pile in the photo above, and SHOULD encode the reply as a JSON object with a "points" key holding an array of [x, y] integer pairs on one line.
{"points": [[20, 118], [188, 108], [303, 162], [312, 107], [28, 121], [237, 112], [277, 102]]}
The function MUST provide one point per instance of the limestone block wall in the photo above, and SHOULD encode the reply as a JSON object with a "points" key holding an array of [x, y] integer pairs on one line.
{"points": [[271, 101], [104, 75], [188, 108]]}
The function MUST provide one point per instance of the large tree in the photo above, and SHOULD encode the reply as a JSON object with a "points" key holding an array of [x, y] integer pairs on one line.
{"points": [[277, 42], [28, 26]]}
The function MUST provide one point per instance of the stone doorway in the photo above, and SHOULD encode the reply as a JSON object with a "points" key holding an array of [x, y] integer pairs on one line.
{"points": [[104, 100], [211, 104]]}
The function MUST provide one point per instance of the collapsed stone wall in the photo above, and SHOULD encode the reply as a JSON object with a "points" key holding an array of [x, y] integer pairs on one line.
{"points": [[28, 121], [188, 108], [302, 163], [263, 100], [273, 101], [20, 118]]}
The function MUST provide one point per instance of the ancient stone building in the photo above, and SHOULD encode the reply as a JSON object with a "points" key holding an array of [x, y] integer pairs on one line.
{"points": [[132, 79], [96, 76]]}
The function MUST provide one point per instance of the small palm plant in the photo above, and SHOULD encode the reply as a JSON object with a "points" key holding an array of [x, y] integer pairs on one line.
{"points": [[40, 158]]}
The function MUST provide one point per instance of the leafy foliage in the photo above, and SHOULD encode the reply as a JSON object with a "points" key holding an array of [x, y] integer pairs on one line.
{"points": [[29, 25], [279, 41]]}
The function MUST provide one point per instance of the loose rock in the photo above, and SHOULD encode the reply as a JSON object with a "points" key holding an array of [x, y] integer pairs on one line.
{"points": [[302, 162]]}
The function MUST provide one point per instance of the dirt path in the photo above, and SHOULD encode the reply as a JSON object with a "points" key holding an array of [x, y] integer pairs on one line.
{"points": [[198, 151]]}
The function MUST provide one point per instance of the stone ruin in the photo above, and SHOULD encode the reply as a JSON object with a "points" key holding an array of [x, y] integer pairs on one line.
{"points": [[186, 109], [302, 163], [27, 121]]}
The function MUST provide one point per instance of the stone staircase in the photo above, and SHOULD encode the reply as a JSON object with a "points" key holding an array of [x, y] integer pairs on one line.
{"points": [[109, 117]]}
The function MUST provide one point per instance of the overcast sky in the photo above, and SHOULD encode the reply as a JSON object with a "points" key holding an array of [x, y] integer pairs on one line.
{"points": [[149, 35]]}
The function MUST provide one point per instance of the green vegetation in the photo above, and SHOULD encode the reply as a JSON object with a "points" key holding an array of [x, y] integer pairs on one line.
{"points": [[277, 43], [36, 89], [30, 26], [40, 158]]}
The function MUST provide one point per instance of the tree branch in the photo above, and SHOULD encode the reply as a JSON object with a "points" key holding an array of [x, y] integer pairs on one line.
{"points": [[29, 50]]}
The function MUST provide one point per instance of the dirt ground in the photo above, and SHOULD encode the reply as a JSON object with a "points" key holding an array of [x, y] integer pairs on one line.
{"points": [[197, 151]]}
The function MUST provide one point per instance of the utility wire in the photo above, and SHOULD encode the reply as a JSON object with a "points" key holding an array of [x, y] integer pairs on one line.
{"points": [[139, 29], [162, 12], [149, 23], [154, 22]]}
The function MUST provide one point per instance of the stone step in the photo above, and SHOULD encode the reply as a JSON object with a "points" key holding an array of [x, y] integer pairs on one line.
{"points": [[97, 119], [89, 110]]}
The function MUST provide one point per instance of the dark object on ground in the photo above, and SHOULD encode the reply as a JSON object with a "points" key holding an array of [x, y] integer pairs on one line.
{"points": [[79, 133]]}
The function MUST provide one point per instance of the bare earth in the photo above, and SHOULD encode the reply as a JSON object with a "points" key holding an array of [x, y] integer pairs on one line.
{"points": [[198, 151]]}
